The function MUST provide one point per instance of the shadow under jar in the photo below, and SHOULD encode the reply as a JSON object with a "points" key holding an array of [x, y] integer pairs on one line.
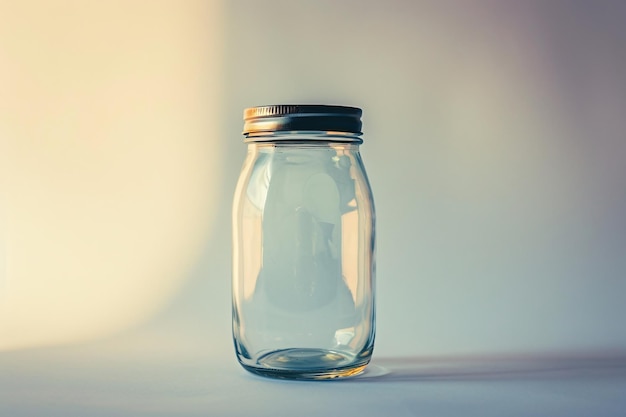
{"points": [[303, 245]]}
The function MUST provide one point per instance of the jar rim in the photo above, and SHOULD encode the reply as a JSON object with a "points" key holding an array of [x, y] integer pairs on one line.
{"points": [[303, 136]]}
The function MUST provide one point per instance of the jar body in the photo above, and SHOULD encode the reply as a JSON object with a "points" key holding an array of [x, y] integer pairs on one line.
{"points": [[303, 260]]}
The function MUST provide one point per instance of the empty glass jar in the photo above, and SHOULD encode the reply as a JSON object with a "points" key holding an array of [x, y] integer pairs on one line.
{"points": [[303, 245]]}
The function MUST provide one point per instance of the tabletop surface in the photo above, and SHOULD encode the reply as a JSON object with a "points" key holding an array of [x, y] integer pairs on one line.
{"points": [[112, 380]]}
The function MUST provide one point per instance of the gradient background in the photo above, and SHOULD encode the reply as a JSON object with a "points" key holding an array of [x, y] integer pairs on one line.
{"points": [[494, 141]]}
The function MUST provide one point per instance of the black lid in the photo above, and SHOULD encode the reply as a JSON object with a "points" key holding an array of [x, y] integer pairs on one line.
{"points": [[308, 117]]}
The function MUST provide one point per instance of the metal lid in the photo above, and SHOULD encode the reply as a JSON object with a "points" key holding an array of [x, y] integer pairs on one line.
{"points": [[306, 117]]}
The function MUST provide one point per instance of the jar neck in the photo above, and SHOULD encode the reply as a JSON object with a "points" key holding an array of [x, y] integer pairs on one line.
{"points": [[299, 136]]}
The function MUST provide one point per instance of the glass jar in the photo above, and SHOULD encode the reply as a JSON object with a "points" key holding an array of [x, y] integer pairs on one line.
{"points": [[303, 245]]}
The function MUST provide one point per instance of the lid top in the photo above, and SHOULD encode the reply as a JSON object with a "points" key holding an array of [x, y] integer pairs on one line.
{"points": [[304, 117]]}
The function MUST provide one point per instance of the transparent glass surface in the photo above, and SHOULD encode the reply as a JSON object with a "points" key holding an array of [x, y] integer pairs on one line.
{"points": [[303, 260]]}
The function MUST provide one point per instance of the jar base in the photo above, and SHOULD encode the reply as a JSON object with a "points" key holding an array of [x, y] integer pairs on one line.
{"points": [[307, 364]]}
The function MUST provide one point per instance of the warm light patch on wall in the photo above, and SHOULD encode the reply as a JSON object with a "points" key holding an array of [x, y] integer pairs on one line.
{"points": [[109, 161]]}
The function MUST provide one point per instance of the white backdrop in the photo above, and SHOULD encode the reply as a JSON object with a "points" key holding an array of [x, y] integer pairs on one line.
{"points": [[494, 142]]}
